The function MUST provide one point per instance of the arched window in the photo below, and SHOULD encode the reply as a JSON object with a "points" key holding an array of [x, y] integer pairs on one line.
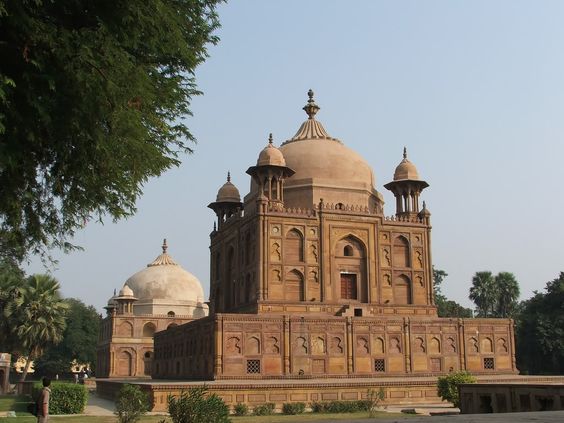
{"points": [[125, 329], [294, 289], [348, 251], [401, 252], [149, 329], [125, 364], [170, 314], [294, 247], [402, 290]]}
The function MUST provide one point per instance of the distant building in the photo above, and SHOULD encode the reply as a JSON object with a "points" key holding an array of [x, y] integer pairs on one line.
{"points": [[158, 297], [310, 279]]}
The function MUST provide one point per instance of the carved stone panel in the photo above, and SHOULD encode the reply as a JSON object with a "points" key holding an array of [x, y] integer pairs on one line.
{"points": [[275, 230], [336, 345], [275, 252], [385, 256], [312, 252], [417, 258], [272, 344], [385, 237]]}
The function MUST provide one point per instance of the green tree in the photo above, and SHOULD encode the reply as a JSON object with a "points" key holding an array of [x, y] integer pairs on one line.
{"points": [[447, 386], [78, 342], [446, 307], [508, 294], [484, 293], [92, 100], [539, 331], [37, 317], [495, 296], [11, 281]]}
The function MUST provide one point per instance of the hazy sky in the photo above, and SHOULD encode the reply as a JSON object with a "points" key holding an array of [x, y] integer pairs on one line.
{"points": [[474, 89]]}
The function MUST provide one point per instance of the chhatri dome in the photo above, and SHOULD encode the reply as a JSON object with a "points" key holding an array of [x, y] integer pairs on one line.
{"points": [[164, 287], [270, 155], [228, 193], [406, 169], [324, 168]]}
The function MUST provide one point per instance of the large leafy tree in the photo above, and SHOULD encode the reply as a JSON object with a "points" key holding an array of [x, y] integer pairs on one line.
{"points": [[508, 294], [36, 317], [446, 307], [92, 96], [78, 342], [540, 330], [495, 296], [11, 282], [484, 294]]}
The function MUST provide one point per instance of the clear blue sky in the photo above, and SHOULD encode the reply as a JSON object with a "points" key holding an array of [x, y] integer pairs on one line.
{"points": [[474, 89]]}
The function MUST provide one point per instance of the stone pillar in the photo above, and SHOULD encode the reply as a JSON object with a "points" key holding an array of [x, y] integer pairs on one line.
{"points": [[407, 344], [512, 345], [286, 358], [461, 344], [218, 346], [350, 352]]}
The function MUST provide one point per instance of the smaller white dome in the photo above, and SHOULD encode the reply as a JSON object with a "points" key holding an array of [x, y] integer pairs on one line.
{"points": [[163, 279], [126, 291]]}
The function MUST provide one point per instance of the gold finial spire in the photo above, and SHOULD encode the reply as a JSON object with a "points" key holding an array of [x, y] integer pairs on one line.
{"points": [[311, 108], [405, 152], [270, 139], [228, 176], [164, 246]]}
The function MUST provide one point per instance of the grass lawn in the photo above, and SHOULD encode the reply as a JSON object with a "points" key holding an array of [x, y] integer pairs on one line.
{"points": [[17, 403], [277, 418]]}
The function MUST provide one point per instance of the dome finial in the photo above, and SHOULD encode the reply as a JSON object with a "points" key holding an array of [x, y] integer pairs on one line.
{"points": [[270, 139], [228, 176], [405, 152], [311, 108], [165, 246]]}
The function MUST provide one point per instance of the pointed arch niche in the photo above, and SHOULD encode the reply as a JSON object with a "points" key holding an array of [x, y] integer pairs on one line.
{"points": [[294, 246], [294, 286], [402, 290], [401, 252], [350, 269]]}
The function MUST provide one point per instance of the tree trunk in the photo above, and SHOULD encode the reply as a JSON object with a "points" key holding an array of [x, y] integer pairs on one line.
{"points": [[26, 368]]}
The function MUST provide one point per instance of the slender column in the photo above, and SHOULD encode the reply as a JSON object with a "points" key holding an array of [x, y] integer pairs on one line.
{"points": [[461, 344], [218, 346], [512, 344], [407, 344], [286, 345], [350, 352]]}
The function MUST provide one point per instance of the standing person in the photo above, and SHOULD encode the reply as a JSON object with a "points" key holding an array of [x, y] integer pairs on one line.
{"points": [[43, 402]]}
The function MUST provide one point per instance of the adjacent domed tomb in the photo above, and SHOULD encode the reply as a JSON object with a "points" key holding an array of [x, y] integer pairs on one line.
{"points": [[164, 286]]}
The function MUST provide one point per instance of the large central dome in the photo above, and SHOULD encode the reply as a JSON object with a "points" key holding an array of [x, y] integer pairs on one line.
{"points": [[325, 168]]}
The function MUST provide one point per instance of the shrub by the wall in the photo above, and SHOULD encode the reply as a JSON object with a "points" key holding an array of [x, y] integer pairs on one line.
{"points": [[265, 409], [339, 406], [196, 406], [66, 398], [240, 409], [131, 404], [448, 385], [293, 408]]}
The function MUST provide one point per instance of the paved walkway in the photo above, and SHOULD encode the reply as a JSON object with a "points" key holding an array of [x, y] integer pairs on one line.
{"points": [[537, 416]]}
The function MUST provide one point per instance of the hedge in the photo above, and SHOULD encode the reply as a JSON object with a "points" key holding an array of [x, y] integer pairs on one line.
{"points": [[66, 398]]}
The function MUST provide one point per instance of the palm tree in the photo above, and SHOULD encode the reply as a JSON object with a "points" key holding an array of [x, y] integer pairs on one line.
{"points": [[508, 293], [39, 317], [484, 293]]}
